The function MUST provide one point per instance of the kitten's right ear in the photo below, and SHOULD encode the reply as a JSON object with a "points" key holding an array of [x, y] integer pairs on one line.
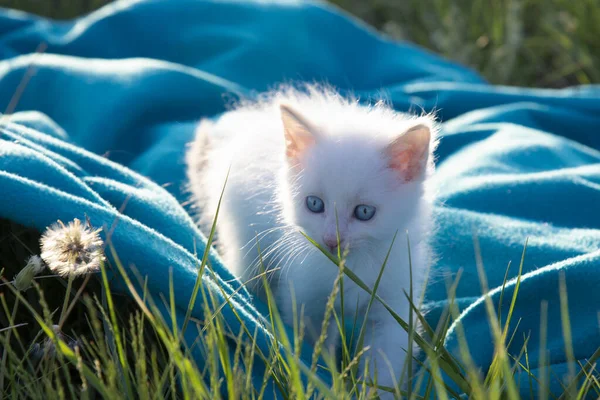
{"points": [[298, 133], [409, 153]]}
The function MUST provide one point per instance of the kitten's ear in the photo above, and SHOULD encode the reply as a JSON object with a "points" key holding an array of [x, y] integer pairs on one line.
{"points": [[409, 153], [298, 133]]}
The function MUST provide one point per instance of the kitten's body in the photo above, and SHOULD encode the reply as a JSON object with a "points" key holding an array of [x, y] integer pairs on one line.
{"points": [[344, 164]]}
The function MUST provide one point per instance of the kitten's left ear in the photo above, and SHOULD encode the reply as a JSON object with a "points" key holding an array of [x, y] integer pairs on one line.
{"points": [[408, 154], [299, 134]]}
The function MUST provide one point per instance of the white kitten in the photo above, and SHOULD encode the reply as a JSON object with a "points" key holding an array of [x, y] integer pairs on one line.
{"points": [[297, 157]]}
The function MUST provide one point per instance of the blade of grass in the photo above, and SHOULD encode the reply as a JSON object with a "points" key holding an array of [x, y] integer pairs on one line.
{"points": [[361, 335], [567, 335], [500, 362], [208, 245], [116, 332]]}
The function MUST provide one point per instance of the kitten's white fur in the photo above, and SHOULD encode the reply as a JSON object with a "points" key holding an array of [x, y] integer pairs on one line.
{"points": [[346, 165]]}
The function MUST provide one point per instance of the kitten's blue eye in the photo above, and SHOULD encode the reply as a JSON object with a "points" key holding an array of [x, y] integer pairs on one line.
{"points": [[364, 212], [315, 204]]}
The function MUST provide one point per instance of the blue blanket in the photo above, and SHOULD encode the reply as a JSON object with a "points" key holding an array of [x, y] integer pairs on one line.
{"points": [[109, 107]]}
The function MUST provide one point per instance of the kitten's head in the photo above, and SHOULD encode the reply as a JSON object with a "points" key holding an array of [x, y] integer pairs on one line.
{"points": [[361, 176]]}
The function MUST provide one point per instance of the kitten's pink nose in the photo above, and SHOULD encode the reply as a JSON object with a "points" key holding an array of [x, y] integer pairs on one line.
{"points": [[331, 242]]}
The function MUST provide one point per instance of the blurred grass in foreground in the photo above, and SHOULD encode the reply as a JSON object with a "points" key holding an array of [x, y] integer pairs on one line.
{"points": [[547, 43]]}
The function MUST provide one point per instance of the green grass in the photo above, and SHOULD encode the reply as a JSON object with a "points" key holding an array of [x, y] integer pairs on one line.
{"points": [[122, 346], [541, 43]]}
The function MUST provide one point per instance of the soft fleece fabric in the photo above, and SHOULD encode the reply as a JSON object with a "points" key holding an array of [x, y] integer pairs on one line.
{"points": [[110, 105]]}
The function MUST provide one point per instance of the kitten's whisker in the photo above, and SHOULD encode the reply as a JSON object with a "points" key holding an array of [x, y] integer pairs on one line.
{"points": [[271, 258], [289, 261], [259, 236], [266, 251], [280, 254]]}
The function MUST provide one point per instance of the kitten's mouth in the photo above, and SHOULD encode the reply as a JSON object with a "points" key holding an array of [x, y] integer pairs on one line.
{"points": [[344, 249]]}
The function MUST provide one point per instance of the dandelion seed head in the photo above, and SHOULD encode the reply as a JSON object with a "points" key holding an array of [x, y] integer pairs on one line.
{"points": [[72, 250]]}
